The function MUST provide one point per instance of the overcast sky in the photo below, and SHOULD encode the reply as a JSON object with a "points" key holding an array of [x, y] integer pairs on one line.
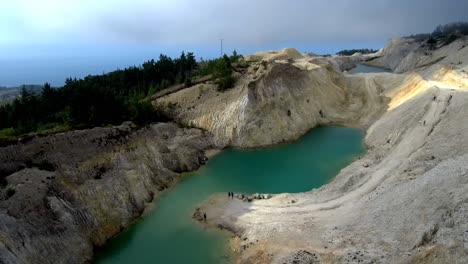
{"points": [[104, 34]]}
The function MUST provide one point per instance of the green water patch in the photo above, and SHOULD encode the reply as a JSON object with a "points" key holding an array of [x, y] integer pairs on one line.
{"points": [[167, 234], [361, 68]]}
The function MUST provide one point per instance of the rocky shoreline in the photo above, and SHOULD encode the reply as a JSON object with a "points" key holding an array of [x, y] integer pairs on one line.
{"points": [[74, 191]]}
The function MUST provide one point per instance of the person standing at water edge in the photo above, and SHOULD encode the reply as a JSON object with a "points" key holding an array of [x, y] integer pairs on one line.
{"points": [[204, 217]]}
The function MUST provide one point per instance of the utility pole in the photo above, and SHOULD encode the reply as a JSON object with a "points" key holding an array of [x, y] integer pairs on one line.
{"points": [[221, 47]]}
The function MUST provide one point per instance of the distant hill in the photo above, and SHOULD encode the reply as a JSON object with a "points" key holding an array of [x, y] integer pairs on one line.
{"points": [[10, 93]]}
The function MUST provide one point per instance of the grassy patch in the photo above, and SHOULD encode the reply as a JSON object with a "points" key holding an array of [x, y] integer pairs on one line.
{"points": [[11, 134], [54, 128], [8, 133]]}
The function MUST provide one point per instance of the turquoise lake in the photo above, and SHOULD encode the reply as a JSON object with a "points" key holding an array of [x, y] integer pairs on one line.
{"points": [[361, 68], [167, 233]]}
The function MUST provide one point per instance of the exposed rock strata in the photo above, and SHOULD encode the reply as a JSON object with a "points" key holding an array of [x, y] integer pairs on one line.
{"points": [[279, 101], [402, 55], [76, 190]]}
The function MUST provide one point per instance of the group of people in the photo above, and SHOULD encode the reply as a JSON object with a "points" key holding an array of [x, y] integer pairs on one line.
{"points": [[230, 195]]}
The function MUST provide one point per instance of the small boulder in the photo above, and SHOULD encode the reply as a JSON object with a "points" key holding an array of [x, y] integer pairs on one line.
{"points": [[198, 215]]}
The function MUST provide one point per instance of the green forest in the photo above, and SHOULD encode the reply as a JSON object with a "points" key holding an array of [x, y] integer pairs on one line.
{"points": [[107, 99], [353, 51]]}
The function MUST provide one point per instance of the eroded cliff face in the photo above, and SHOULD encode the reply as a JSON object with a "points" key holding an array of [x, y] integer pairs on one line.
{"points": [[276, 101], [74, 191], [406, 54]]}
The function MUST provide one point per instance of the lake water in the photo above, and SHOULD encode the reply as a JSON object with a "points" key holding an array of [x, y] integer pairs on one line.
{"points": [[167, 233], [361, 68]]}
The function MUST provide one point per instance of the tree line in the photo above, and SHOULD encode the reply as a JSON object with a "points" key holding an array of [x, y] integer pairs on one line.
{"points": [[444, 33], [108, 99], [353, 51]]}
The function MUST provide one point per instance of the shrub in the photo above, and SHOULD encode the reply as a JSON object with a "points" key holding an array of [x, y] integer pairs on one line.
{"points": [[225, 82], [223, 73], [141, 111], [188, 82], [451, 38], [431, 43]]}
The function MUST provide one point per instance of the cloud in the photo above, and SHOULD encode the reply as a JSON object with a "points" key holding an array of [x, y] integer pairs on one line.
{"points": [[245, 22], [49, 40]]}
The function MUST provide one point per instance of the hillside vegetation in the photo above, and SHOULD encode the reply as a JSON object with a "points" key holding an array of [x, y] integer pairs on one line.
{"points": [[354, 51], [8, 94], [442, 34], [107, 99]]}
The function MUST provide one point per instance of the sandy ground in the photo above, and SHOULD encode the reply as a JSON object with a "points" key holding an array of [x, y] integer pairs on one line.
{"points": [[405, 201]]}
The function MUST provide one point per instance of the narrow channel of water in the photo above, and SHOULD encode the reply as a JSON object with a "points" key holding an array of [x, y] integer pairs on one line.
{"points": [[361, 68], [167, 234]]}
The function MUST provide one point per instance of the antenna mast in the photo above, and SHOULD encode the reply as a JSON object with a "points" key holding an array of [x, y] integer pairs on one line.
{"points": [[221, 47]]}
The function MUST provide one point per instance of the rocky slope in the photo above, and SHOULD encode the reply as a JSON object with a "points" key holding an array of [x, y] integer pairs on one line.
{"points": [[405, 54], [277, 100], [402, 202], [62, 195]]}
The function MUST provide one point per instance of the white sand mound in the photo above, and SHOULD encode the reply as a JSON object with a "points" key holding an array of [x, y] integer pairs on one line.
{"points": [[284, 54]]}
